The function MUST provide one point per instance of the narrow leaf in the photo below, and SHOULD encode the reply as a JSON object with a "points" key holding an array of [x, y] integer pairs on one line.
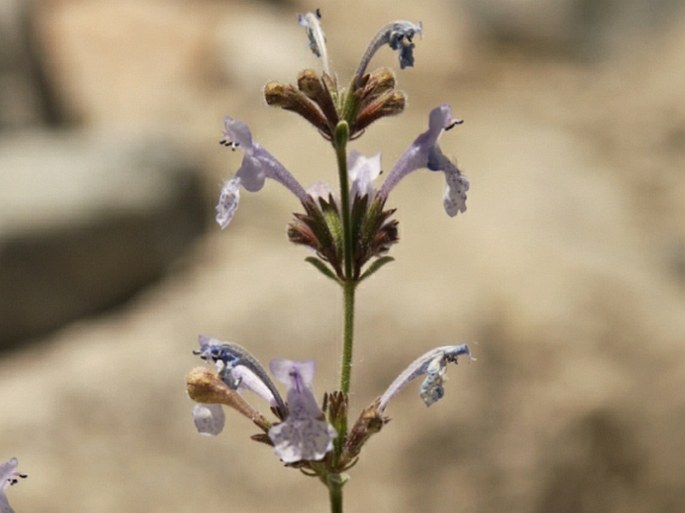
{"points": [[375, 265], [321, 266]]}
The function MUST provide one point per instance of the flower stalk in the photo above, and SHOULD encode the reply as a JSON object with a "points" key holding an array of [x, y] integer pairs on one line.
{"points": [[349, 231]]}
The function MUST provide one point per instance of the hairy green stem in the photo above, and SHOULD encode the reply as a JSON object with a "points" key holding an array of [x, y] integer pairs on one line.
{"points": [[335, 494], [342, 134], [348, 336], [341, 137]]}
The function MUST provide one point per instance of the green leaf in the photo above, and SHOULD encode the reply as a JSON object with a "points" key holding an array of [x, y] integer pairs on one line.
{"points": [[321, 266], [375, 265]]}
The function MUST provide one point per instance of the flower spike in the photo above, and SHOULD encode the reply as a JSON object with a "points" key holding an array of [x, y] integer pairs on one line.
{"points": [[258, 165], [432, 364], [305, 435], [425, 153], [9, 475]]}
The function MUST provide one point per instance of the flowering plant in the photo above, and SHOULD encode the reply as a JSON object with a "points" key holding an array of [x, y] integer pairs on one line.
{"points": [[351, 234]]}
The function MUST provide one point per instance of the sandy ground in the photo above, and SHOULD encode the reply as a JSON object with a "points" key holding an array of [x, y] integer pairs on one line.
{"points": [[567, 274]]}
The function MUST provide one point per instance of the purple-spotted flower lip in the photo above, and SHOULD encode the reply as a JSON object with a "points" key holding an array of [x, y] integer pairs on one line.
{"points": [[304, 435], [257, 165], [433, 365], [9, 475], [425, 152]]}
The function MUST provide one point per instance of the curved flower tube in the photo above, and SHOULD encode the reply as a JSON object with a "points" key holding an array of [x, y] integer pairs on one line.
{"points": [[240, 370], [433, 365]]}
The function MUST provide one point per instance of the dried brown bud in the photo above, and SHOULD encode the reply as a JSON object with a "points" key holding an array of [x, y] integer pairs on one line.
{"points": [[288, 97], [376, 83], [321, 90], [389, 103], [370, 422], [310, 83], [205, 386]]}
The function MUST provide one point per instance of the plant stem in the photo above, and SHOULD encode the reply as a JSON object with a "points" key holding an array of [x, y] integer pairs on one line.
{"points": [[342, 135], [348, 336], [336, 496]]}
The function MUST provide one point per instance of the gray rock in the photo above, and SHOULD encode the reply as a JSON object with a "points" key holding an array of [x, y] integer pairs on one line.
{"points": [[582, 28], [28, 96], [85, 222]]}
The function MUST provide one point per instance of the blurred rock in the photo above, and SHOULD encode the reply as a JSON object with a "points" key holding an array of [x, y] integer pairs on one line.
{"points": [[86, 221], [27, 95], [582, 28]]}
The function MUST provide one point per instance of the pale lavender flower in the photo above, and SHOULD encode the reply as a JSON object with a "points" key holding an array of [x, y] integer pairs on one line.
{"points": [[399, 36], [362, 172], [9, 475], [319, 190], [240, 370], [304, 435], [433, 365], [258, 165], [209, 419], [425, 153]]}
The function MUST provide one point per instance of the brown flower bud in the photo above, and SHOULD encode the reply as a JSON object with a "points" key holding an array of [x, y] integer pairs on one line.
{"points": [[205, 386], [289, 98], [389, 103]]}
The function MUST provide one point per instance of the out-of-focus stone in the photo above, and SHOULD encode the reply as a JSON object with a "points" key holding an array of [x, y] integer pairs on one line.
{"points": [[27, 95], [85, 222], [582, 28]]}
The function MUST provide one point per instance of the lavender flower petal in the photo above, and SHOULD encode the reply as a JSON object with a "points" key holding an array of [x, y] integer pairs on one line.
{"points": [[228, 202], [425, 153], [319, 189], [257, 165], [305, 434], [398, 35], [9, 475], [432, 364], [209, 418], [400, 38], [362, 172]]}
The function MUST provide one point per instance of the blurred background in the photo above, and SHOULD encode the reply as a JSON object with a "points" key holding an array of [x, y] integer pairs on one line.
{"points": [[566, 274]]}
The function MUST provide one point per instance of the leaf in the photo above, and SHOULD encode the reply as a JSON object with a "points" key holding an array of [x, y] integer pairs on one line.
{"points": [[375, 265], [321, 266]]}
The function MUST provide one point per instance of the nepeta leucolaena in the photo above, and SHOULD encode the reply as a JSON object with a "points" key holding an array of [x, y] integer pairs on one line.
{"points": [[351, 232]]}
